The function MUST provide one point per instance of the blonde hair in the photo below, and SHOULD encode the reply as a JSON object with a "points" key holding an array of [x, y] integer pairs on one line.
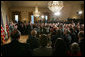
{"points": [[33, 32]]}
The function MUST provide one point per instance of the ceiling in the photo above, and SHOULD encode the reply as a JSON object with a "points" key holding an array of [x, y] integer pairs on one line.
{"points": [[38, 3]]}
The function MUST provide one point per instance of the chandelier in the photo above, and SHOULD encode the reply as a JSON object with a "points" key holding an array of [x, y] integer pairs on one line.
{"points": [[55, 6], [36, 13]]}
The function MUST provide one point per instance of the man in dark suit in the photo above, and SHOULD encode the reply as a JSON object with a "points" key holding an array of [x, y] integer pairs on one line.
{"points": [[29, 29], [15, 48], [43, 50], [81, 42], [33, 41]]}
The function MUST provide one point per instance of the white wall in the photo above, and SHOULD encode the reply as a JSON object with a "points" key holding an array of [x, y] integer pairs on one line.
{"points": [[69, 10]]}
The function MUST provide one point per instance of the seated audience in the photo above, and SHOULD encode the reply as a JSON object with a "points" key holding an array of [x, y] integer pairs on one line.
{"points": [[45, 39]]}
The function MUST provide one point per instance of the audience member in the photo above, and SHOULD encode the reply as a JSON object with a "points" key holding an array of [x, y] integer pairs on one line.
{"points": [[74, 50], [15, 48], [81, 42], [33, 40], [43, 50], [60, 48]]}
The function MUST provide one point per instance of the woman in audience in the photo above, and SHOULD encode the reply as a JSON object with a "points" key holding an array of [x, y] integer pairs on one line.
{"points": [[74, 50], [43, 50], [60, 48]]}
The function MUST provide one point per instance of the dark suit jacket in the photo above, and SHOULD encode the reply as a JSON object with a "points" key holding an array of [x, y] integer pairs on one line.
{"points": [[42, 51], [82, 47], [16, 49], [29, 29], [33, 42]]}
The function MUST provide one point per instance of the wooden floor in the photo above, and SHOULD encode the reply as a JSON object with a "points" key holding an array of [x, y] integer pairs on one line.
{"points": [[23, 39]]}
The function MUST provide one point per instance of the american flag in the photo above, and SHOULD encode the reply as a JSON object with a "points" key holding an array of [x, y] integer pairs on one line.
{"points": [[3, 33], [7, 27], [2, 30]]}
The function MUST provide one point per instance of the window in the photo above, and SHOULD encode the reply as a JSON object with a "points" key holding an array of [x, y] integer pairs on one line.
{"points": [[16, 18], [46, 17], [32, 19]]}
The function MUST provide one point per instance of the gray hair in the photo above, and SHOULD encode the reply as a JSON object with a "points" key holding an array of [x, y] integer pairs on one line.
{"points": [[75, 47]]}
